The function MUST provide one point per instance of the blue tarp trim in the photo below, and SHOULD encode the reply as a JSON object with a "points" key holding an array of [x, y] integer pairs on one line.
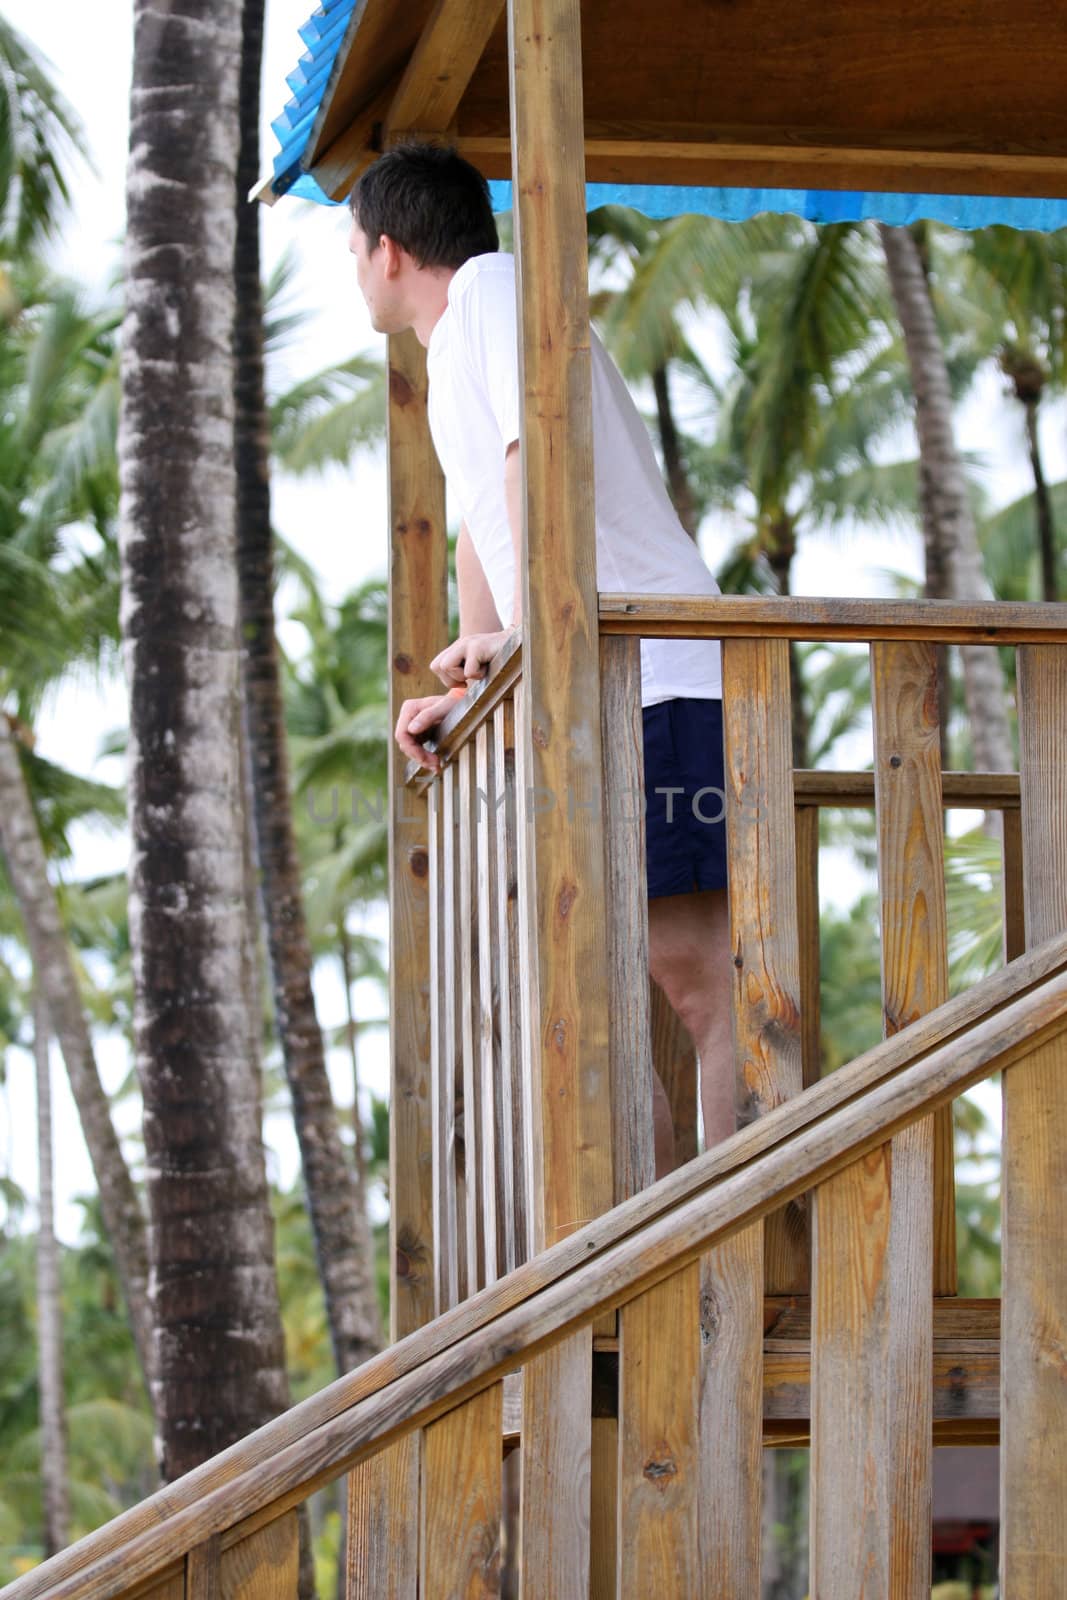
{"points": [[325, 29]]}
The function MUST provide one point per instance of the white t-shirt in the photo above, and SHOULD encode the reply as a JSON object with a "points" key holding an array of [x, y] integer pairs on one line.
{"points": [[474, 411]]}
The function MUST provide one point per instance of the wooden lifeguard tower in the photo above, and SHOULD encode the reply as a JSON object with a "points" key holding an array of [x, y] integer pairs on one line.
{"points": [[639, 1344]]}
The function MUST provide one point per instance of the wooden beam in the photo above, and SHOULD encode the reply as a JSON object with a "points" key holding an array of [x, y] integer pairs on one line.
{"points": [[746, 616], [563, 884], [441, 65], [972, 791]]}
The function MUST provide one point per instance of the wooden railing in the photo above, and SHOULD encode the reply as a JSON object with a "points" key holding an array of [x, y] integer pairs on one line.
{"points": [[657, 1257]]}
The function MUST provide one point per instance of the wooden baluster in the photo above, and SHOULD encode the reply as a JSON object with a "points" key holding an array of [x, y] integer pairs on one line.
{"points": [[494, 1134], [514, 1088], [731, 1416], [627, 916], [446, 1217], [461, 1503], [1033, 1393], [556, 1451], [173, 1588], [807, 844], [203, 1570], [262, 1567], [850, 1395], [911, 875], [659, 1441], [468, 941], [382, 1559], [761, 835], [418, 628], [1011, 886]]}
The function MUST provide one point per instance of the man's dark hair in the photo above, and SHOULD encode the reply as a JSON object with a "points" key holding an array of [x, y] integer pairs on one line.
{"points": [[430, 201]]}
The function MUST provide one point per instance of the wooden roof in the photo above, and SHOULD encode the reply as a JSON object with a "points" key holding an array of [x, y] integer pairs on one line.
{"points": [[949, 96]]}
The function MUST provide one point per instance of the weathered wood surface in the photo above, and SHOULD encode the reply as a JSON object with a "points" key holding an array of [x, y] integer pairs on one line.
{"points": [[626, 912], [263, 1566], [461, 1502], [418, 624], [381, 1550], [760, 832], [675, 1060], [731, 1416], [911, 886], [442, 1061], [808, 947], [850, 1397], [495, 1130], [659, 1439], [439, 68], [172, 1588], [604, 1509], [556, 1455], [203, 1570], [1013, 897], [746, 616], [980, 791], [977, 1033], [1033, 1546], [559, 711], [515, 1087], [467, 939]]}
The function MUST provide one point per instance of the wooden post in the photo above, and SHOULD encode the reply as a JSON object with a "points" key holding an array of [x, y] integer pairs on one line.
{"points": [[1033, 1389], [418, 628], [563, 884], [911, 880]]}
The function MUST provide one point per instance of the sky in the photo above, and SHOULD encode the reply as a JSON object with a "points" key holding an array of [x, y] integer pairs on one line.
{"points": [[338, 522]]}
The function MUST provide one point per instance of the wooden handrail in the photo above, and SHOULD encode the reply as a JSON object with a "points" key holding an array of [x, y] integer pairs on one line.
{"points": [[669, 616], [801, 1143], [978, 791]]}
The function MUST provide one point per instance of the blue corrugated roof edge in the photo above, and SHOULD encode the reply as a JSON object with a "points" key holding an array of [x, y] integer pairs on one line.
{"points": [[325, 29]]}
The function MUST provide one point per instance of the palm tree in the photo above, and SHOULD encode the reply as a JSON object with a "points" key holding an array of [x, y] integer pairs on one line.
{"points": [[948, 521], [221, 1366], [55, 1487], [340, 1227], [38, 134]]}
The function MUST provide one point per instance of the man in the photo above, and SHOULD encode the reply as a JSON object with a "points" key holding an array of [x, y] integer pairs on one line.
{"points": [[427, 258]]}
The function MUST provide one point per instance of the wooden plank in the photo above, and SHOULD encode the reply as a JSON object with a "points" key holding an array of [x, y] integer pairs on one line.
{"points": [[850, 1398], [622, 734], [807, 847], [731, 1416], [1033, 1547], [604, 1509], [467, 940], [966, 1383], [980, 791], [203, 1570], [1013, 898], [911, 876], [675, 1060], [446, 1214], [439, 68], [760, 832], [461, 1504], [659, 1440], [559, 726], [747, 617], [845, 1117], [264, 1566], [556, 1451], [417, 630], [495, 1129], [514, 1089], [381, 1555], [172, 1588]]}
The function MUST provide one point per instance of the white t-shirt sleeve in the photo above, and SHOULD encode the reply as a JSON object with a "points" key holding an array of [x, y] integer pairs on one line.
{"points": [[488, 325]]}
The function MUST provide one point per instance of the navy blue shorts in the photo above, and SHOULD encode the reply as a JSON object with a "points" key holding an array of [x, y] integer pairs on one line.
{"points": [[685, 795]]}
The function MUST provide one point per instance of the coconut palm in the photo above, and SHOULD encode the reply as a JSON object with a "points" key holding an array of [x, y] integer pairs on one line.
{"points": [[221, 1370], [55, 1487], [38, 134]]}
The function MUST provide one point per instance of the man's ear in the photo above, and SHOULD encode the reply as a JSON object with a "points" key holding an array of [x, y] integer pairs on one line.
{"points": [[391, 255]]}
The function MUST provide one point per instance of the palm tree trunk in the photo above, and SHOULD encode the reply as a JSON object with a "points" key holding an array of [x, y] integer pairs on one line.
{"points": [[352, 1030], [1046, 529], [221, 1359], [339, 1222], [946, 513], [54, 975], [54, 1481], [673, 461], [780, 543]]}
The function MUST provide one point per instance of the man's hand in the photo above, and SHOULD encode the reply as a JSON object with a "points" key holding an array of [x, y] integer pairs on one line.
{"points": [[416, 719], [467, 659]]}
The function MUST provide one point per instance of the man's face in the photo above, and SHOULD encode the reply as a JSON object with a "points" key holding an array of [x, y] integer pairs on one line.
{"points": [[377, 276]]}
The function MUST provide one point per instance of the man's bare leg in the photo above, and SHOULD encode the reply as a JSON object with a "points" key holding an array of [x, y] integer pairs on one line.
{"points": [[689, 957]]}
